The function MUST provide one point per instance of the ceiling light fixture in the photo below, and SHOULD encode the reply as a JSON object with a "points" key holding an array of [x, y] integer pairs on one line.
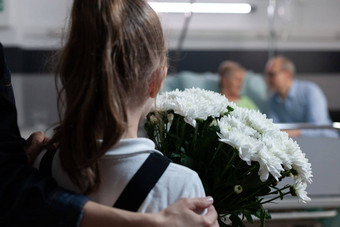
{"points": [[183, 7], [336, 125]]}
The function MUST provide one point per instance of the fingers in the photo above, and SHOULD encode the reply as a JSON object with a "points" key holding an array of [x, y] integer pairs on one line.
{"points": [[34, 144], [36, 137], [184, 213], [211, 217], [199, 204]]}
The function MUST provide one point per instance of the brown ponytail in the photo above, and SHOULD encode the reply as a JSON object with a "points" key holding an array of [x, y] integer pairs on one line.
{"points": [[112, 49]]}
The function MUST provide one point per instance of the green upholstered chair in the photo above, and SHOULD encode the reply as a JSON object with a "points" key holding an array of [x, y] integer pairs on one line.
{"points": [[254, 85]]}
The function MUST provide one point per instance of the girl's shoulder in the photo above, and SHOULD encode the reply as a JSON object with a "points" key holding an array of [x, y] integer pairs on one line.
{"points": [[182, 180], [181, 171], [176, 182]]}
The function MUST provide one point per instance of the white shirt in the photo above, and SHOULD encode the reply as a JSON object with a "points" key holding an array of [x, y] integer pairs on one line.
{"points": [[118, 167]]}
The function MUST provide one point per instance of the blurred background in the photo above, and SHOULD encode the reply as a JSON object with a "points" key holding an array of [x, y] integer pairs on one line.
{"points": [[305, 31]]}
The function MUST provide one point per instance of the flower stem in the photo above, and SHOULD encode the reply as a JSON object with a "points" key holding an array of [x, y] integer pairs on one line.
{"points": [[251, 169], [261, 188], [278, 190], [218, 149], [222, 200], [254, 193], [286, 193], [214, 156], [193, 145], [230, 162], [180, 125]]}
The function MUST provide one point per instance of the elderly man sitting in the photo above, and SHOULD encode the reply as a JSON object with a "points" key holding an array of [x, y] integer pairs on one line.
{"points": [[295, 101]]}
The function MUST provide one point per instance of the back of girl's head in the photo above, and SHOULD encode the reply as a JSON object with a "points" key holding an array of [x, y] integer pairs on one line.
{"points": [[112, 49]]}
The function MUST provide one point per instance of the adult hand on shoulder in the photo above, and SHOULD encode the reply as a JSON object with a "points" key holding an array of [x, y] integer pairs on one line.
{"points": [[34, 145], [185, 212]]}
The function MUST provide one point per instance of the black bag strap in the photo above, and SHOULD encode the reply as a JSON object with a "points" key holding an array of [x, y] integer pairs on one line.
{"points": [[142, 182], [45, 167]]}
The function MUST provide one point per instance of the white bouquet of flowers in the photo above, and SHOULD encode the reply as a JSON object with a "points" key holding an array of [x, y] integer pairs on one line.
{"points": [[239, 154]]}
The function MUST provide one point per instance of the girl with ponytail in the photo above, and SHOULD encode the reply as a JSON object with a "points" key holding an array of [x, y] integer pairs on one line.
{"points": [[110, 71]]}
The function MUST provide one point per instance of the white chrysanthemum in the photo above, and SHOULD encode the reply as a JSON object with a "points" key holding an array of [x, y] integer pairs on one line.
{"points": [[300, 191], [258, 139], [299, 161], [255, 137], [192, 104]]}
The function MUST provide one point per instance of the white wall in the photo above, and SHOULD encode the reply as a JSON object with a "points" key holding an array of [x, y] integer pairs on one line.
{"points": [[36, 99], [34, 23], [300, 24]]}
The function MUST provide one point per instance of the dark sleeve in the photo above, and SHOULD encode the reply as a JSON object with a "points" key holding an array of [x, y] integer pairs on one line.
{"points": [[27, 199]]}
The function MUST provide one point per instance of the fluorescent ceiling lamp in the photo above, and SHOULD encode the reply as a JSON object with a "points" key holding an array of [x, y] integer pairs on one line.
{"points": [[183, 7], [336, 125]]}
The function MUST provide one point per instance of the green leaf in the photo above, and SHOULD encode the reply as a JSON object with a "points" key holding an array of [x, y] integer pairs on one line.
{"points": [[248, 216], [230, 109], [186, 160], [264, 191], [174, 155], [294, 172]]}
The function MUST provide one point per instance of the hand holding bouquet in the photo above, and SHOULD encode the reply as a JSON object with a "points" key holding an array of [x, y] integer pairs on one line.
{"points": [[239, 154]]}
